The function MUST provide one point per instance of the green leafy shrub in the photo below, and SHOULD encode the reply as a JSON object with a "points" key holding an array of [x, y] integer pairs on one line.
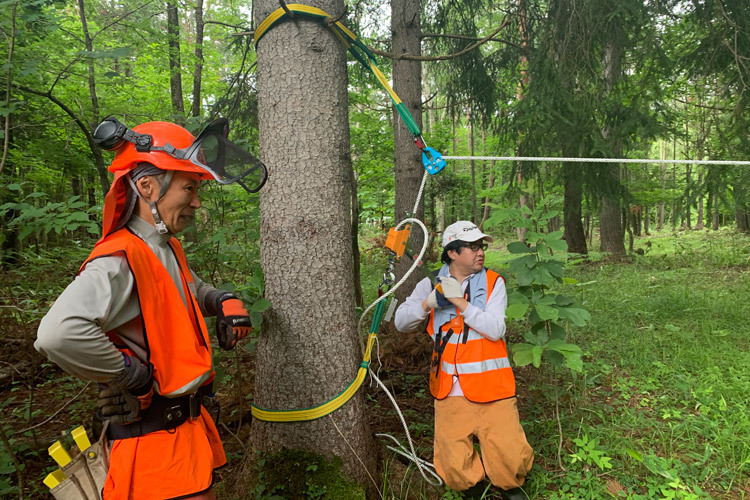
{"points": [[537, 268]]}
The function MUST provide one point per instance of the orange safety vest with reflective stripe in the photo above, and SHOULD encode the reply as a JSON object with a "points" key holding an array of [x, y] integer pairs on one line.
{"points": [[178, 462], [175, 336], [481, 365]]}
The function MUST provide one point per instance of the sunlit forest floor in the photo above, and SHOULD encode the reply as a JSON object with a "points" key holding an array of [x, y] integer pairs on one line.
{"points": [[659, 412]]}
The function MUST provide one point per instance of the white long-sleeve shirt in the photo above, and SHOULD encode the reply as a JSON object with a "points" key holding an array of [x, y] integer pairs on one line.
{"points": [[103, 298], [490, 323]]}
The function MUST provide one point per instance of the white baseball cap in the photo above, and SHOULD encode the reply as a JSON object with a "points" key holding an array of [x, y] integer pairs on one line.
{"points": [[463, 230]]}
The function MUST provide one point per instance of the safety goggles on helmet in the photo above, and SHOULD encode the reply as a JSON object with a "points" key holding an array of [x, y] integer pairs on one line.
{"points": [[211, 151]]}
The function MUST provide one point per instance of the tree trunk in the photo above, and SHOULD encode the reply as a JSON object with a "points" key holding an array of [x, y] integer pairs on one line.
{"points": [[407, 83], [572, 198], [646, 221], [358, 300], [688, 189], [699, 221], [198, 70], [91, 73], [472, 168], [742, 218], [610, 217], [308, 350], [175, 66], [523, 83], [487, 200], [8, 84]]}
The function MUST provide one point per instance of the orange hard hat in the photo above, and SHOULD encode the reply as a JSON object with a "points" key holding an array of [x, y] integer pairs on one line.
{"points": [[128, 156]]}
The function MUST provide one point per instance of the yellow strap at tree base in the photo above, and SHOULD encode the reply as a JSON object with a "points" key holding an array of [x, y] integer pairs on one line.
{"points": [[326, 408]]}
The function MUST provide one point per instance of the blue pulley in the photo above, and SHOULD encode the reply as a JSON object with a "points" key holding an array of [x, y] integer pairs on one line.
{"points": [[432, 160]]}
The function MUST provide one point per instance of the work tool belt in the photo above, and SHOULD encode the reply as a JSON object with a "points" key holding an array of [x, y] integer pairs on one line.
{"points": [[164, 414]]}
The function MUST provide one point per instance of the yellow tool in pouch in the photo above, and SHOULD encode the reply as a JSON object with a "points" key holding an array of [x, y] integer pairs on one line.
{"points": [[82, 477]]}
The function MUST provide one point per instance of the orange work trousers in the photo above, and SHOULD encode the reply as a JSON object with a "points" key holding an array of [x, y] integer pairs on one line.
{"points": [[165, 464], [506, 456]]}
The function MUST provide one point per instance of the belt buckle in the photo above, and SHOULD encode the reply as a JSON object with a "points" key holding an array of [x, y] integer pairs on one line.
{"points": [[173, 416], [194, 403]]}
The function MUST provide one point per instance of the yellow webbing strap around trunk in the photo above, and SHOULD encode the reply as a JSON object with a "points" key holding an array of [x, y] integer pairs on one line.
{"points": [[325, 408], [355, 46]]}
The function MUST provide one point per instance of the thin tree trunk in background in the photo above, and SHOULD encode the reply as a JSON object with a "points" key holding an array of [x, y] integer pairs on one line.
{"points": [[523, 82], [699, 222], [91, 73], [646, 221], [575, 236], [308, 350], [610, 218], [715, 217], [9, 79], [198, 70], [175, 66], [406, 34], [358, 300], [487, 200], [472, 167], [688, 213]]}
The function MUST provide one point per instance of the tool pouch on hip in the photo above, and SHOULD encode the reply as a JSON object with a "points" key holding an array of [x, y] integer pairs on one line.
{"points": [[86, 473]]}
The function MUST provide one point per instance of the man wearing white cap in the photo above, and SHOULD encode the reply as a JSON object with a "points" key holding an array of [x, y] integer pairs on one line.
{"points": [[470, 374]]}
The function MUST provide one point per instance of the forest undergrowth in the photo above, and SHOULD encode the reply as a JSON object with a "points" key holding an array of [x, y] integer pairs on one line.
{"points": [[659, 411]]}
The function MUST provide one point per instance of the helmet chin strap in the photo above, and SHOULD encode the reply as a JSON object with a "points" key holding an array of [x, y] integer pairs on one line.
{"points": [[160, 225]]}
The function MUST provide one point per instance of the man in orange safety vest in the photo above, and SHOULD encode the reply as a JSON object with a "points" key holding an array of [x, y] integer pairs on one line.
{"points": [[470, 374], [133, 318]]}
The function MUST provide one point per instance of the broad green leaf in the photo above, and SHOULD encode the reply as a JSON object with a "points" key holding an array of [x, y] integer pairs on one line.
{"points": [[558, 245], [562, 300], [516, 311], [574, 362], [522, 354], [518, 247], [517, 297], [524, 277], [575, 314], [546, 312], [556, 331], [537, 355], [260, 305], [256, 319], [563, 347]]}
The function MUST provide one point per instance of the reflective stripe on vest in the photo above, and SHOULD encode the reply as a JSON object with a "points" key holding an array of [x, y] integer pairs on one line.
{"points": [[475, 366], [482, 365], [175, 334]]}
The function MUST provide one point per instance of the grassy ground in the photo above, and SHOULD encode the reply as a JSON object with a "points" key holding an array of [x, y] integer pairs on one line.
{"points": [[660, 411]]}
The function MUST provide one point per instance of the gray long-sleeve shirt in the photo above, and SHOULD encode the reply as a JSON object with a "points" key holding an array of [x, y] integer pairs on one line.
{"points": [[103, 298]]}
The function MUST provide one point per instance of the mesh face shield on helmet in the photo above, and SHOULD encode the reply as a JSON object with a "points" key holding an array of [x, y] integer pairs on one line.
{"points": [[211, 151]]}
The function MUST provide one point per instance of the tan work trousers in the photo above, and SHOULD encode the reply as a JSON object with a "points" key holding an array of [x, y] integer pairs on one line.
{"points": [[506, 455]]}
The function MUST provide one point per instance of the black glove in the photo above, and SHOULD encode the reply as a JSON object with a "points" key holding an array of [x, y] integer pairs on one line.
{"points": [[232, 321], [123, 399]]}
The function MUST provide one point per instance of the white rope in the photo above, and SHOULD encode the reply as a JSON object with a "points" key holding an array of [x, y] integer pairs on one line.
{"points": [[422, 465], [599, 160]]}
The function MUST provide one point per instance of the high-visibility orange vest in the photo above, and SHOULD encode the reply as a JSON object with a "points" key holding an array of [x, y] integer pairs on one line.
{"points": [[177, 462], [481, 365], [176, 337]]}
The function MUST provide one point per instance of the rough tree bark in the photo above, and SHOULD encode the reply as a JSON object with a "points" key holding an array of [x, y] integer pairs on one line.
{"points": [[407, 83], [198, 69], [610, 216], [308, 350], [175, 75], [572, 198]]}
